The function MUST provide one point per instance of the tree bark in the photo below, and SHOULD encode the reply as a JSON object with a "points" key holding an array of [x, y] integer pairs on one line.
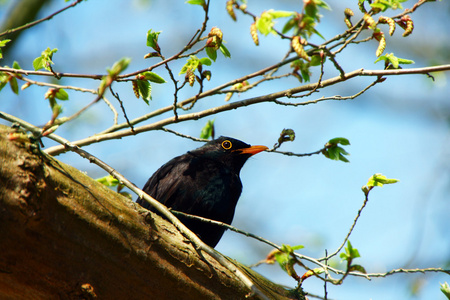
{"points": [[65, 236]]}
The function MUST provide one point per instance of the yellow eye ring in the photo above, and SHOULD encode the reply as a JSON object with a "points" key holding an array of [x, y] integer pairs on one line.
{"points": [[227, 145]]}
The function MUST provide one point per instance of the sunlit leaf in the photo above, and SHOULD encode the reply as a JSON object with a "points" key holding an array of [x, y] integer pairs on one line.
{"points": [[208, 130], [61, 94]]}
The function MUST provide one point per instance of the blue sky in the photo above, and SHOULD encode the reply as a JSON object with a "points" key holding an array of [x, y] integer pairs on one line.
{"points": [[398, 128]]}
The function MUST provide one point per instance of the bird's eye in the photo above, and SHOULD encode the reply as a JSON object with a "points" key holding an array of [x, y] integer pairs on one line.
{"points": [[226, 145]]}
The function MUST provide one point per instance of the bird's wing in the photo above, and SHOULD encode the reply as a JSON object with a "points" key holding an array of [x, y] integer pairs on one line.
{"points": [[164, 185]]}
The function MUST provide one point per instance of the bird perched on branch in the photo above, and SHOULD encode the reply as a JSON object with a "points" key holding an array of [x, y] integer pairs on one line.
{"points": [[203, 182]]}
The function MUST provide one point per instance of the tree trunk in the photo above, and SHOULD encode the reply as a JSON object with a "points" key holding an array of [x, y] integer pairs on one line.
{"points": [[65, 236]]}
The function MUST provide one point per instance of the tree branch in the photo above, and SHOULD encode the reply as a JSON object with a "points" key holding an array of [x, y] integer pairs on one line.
{"points": [[238, 104]]}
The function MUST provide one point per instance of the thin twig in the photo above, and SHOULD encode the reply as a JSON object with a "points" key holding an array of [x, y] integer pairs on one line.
{"points": [[112, 108], [336, 97], [31, 24], [183, 135], [116, 95], [57, 86], [242, 103]]}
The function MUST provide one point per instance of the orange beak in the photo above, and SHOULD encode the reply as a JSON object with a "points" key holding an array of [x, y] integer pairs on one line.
{"points": [[252, 150]]}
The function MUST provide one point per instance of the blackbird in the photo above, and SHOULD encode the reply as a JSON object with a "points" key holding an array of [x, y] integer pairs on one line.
{"points": [[203, 182]]}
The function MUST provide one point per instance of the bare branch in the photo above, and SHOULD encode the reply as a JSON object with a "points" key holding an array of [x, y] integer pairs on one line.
{"points": [[31, 24], [238, 104]]}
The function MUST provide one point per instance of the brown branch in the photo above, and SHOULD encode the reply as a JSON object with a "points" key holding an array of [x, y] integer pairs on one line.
{"points": [[238, 104], [31, 24], [63, 231]]}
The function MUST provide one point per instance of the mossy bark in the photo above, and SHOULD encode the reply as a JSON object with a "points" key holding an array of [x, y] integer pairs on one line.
{"points": [[65, 236]]}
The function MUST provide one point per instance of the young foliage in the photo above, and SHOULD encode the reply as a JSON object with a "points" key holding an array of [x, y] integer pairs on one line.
{"points": [[334, 151], [380, 180], [394, 61], [309, 273], [377, 180], [143, 89], [266, 22], [3, 44], [445, 289], [286, 135], [383, 5], [350, 253], [108, 181], [286, 260], [151, 76], [152, 40], [115, 70], [45, 60], [214, 43], [208, 130], [196, 2]]}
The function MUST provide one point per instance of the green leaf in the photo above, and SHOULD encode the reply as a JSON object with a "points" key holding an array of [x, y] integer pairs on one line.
{"points": [[14, 85], [45, 60], [211, 53], [445, 288], [191, 64], [340, 140], [358, 268], [315, 271], [265, 23], [16, 65], [153, 77], [285, 259], [404, 61], [57, 110], [289, 25], [145, 90], [384, 5], [280, 13], [205, 61], [196, 2], [224, 50], [311, 10], [208, 130], [380, 180], [108, 181], [335, 152], [119, 66], [3, 80], [324, 5], [305, 74], [61, 94], [152, 39], [38, 63], [3, 44], [316, 60], [394, 60], [350, 253]]}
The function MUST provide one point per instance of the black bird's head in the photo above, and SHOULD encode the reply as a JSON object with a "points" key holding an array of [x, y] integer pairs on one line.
{"points": [[231, 152]]}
